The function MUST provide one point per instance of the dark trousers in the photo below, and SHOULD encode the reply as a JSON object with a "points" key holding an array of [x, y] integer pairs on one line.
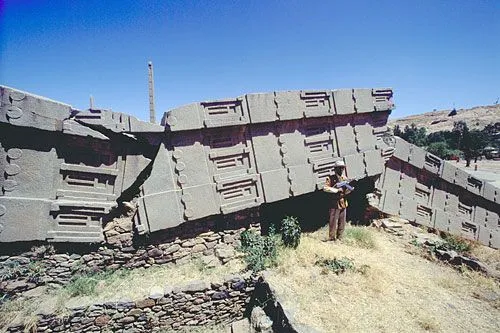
{"points": [[337, 223]]}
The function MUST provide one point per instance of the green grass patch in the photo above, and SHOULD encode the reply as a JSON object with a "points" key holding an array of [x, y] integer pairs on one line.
{"points": [[359, 236], [86, 285]]}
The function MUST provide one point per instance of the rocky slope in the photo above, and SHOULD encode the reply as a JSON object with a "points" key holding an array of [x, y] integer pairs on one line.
{"points": [[477, 117]]}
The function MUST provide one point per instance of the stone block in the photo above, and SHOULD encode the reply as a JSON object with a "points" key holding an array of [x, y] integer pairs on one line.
{"points": [[408, 209], [190, 160], [289, 105], [239, 193], [291, 144], [191, 197], [301, 179], [433, 163], [187, 117], [449, 172], [495, 239], [344, 101], [266, 147], [355, 166], [317, 103], [417, 156], [14, 226], [363, 100], [391, 178], [461, 177], [160, 211], [382, 99], [345, 136], [319, 139], [364, 136], [491, 192], [424, 215], [262, 108], [484, 235], [391, 202], [276, 185], [475, 185], [441, 220], [407, 186], [402, 149], [374, 162], [468, 229], [22, 109]]}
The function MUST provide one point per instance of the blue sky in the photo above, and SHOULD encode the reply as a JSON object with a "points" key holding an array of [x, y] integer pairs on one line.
{"points": [[435, 54]]}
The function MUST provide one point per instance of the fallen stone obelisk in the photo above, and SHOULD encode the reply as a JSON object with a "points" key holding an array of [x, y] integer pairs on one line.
{"points": [[66, 170]]}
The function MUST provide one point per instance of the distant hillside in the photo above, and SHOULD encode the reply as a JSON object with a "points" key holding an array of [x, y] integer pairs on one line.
{"points": [[477, 117]]}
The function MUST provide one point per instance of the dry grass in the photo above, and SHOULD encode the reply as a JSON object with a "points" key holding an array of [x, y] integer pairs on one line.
{"points": [[221, 328], [487, 255], [399, 292], [138, 283], [134, 285]]}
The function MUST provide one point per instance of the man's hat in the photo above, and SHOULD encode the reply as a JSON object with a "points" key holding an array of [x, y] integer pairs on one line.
{"points": [[339, 164]]}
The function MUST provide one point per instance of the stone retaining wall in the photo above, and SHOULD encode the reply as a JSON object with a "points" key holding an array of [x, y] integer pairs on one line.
{"points": [[196, 304], [214, 241]]}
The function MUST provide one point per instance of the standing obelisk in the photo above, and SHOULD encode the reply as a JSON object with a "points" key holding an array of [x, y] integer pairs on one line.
{"points": [[152, 118]]}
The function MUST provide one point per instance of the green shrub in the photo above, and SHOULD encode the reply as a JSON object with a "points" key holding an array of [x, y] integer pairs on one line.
{"points": [[336, 265], [290, 232], [454, 243], [260, 251]]}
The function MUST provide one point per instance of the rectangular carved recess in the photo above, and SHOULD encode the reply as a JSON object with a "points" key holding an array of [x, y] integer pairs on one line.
{"points": [[318, 142], [86, 178], [229, 162], [316, 99], [382, 99], [322, 169], [238, 193], [475, 183], [432, 163], [80, 216], [422, 191], [424, 213], [229, 153], [223, 113], [465, 210], [469, 228]]}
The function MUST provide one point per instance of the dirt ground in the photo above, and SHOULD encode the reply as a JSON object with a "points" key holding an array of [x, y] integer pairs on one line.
{"points": [[400, 291], [483, 165]]}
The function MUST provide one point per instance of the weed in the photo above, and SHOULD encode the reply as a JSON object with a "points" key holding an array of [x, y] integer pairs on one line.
{"points": [[13, 269], [455, 243], [359, 236], [415, 242], [260, 251], [290, 232], [428, 324], [335, 265], [85, 285]]}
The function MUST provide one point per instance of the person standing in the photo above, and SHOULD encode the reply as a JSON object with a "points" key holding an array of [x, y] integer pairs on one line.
{"points": [[338, 202]]}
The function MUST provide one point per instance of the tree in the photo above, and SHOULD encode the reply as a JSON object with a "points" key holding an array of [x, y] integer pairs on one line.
{"points": [[492, 134], [412, 134], [473, 144], [459, 131], [442, 149]]}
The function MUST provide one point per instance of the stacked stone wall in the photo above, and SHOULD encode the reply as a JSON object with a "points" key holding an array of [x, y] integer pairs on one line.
{"points": [[195, 304], [214, 241]]}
